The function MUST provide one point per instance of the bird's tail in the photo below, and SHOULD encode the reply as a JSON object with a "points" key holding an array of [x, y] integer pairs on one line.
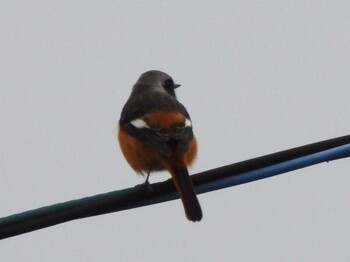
{"points": [[187, 193]]}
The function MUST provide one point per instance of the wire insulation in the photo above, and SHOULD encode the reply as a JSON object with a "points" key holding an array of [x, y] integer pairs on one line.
{"points": [[142, 195]]}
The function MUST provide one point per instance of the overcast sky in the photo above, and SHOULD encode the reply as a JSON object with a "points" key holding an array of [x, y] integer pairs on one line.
{"points": [[257, 77]]}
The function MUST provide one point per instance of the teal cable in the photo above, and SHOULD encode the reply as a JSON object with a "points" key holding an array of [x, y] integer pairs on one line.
{"points": [[142, 195]]}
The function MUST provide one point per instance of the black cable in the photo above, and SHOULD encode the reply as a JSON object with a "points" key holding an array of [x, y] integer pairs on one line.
{"points": [[142, 195]]}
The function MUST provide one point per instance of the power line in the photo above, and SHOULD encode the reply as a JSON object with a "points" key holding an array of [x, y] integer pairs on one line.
{"points": [[142, 195]]}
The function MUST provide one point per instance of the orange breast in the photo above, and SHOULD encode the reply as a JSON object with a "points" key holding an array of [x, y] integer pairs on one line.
{"points": [[144, 158], [164, 119], [191, 154], [140, 156]]}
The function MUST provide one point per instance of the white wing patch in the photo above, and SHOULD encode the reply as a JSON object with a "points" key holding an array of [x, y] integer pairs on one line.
{"points": [[139, 123], [188, 123]]}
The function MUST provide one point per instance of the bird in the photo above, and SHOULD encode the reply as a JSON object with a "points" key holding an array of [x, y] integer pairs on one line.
{"points": [[156, 134]]}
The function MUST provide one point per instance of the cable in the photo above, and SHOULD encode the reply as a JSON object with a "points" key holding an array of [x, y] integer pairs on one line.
{"points": [[142, 195]]}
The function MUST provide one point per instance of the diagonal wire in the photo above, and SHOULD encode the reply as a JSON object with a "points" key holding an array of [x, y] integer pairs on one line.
{"points": [[215, 179]]}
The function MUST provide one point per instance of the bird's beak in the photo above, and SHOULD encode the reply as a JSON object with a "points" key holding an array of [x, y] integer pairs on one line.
{"points": [[176, 85]]}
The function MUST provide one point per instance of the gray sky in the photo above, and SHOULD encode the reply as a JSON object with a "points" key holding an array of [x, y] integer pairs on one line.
{"points": [[257, 77]]}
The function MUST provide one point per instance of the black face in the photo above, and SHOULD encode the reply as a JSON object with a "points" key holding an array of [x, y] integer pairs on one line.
{"points": [[169, 86]]}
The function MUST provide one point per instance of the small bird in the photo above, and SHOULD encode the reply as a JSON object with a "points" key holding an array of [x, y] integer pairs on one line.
{"points": [[155, 133]]}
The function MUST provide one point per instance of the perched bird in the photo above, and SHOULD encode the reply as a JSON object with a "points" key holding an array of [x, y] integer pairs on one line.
{"points": [[155, 133]]}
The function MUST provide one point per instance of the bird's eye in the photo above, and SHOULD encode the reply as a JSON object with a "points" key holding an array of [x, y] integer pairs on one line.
{"points": [[169, 84]]}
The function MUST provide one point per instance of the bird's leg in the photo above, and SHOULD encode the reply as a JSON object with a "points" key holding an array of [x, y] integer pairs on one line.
{"points": [[147, 178], [146, 185]]}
